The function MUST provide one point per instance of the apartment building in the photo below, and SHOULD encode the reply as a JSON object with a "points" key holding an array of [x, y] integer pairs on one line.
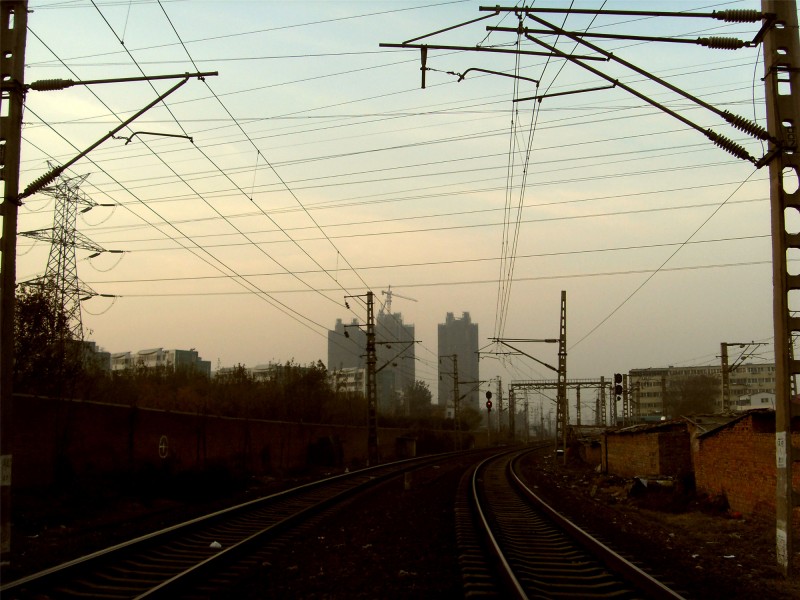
{"points": [[458, 338], [649, 387], [152, 358]]}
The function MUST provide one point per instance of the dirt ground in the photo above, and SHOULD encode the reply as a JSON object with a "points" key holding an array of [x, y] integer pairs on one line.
{"points": [[697, 545], [400, 543]]}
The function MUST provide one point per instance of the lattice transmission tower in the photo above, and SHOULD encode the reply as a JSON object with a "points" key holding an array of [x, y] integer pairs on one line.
{"points": [[61, 276]]}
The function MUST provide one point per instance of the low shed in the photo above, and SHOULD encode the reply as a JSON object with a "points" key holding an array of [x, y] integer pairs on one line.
{"points": [[659, 450]]}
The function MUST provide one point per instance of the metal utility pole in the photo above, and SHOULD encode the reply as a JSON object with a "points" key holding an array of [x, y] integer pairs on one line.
{"points": [[541, 422], [782, 83], [727, 370], [13, 24], [600, 416], [562, 408], [626, 408], [726, 383], [488, 418], [527, 419], [578, 406], [61, 275], [373, 453], [456, 412], [512, 416], [499, 407], [372, 387]]}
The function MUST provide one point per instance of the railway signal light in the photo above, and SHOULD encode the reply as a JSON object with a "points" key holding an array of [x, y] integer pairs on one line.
{"points": [[618, 386], [489, 401]]}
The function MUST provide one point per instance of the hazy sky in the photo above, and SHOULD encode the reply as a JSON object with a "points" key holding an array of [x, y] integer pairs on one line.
{"points": [[319, 168]]}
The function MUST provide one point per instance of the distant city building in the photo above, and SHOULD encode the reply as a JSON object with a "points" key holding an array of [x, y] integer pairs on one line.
{"points": [[396, 360], [394, 351], [762, 400], [350, 380], [158, 357], [649, 386], [346, 351], [274, 372], [458, 337], [95, 357]]}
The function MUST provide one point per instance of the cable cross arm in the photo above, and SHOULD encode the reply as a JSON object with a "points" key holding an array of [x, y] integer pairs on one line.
{"points": [[48, 85], [49, 177], [426, 47], [423, 48], [731, 16], [721, 141], [541, 97], [714, 42], [129, 139], [736, 121], [461, 76]]}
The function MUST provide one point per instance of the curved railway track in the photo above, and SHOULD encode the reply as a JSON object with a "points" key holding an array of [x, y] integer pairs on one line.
{"points": [[206, 556], [513, 545]]}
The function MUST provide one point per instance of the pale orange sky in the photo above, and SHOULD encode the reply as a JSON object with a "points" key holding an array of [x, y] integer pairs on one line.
{"points": [[318, 167]]}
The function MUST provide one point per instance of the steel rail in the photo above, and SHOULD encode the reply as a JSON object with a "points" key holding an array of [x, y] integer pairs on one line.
{"points": [[169, 561], [513, 586], [613, 560], [537, 552]]}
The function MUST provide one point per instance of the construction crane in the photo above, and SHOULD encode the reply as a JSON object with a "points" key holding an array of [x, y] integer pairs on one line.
{"points": [[387, 307]]}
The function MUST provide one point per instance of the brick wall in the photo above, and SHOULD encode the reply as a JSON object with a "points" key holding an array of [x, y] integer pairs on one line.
{"points": [[674, 453], [630, 455], [739, 462], [88, 438], [647, 454]]}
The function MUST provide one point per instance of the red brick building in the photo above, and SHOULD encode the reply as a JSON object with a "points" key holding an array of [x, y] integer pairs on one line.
{"points": [[737, 460], [730, 455]]}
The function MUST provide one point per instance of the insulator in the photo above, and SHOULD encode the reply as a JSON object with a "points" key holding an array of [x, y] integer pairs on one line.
{"points": [[42, 181], [738, 15], [721, 43], [49, 85], [743, 124], [729, 146]]}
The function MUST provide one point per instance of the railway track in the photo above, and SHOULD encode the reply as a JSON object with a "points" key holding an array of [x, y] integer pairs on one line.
{"points": [[513, 545], [207, 556]]}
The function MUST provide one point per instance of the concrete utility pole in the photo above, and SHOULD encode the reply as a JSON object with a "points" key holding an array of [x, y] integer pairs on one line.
{"points": [[13, 28], [782, 83]]}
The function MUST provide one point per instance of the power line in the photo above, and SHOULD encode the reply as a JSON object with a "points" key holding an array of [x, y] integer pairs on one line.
{"points": [[458, 261]]}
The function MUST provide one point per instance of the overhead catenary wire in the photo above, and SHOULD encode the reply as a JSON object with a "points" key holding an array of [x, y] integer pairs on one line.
{"points": [[221, 171], [277, 304], [284, 184], [340, 198], [448, 262], [661, 267], [215, 263]]}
